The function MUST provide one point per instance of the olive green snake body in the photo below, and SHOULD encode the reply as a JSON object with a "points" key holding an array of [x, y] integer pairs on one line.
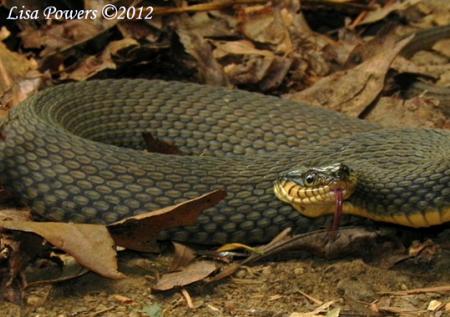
{"points": [[74, 153]]}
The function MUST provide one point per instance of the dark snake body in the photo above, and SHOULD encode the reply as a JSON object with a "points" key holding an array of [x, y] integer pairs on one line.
{"points": [[61, 155]]}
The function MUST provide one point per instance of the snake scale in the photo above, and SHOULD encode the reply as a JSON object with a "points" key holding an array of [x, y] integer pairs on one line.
{"points": [[74, 153]]}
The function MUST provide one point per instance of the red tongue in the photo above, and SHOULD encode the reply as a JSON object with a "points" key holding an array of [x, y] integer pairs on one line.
{"points": [[338, 213]]}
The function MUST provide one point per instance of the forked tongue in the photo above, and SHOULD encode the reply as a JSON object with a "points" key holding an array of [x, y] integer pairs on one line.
{"points": [[339, 195]]}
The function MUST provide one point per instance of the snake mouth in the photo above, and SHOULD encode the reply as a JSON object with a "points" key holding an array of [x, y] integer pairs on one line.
{"points": [[315, 191]]}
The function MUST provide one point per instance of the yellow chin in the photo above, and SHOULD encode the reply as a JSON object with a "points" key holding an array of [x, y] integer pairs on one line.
{"points": [[413, 219], [310, 203]]}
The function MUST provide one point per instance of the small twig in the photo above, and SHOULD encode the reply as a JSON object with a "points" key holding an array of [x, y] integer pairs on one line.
{"points": [[436, 289], [187, 298], [100, 312], [216, 5], [310, 298]]}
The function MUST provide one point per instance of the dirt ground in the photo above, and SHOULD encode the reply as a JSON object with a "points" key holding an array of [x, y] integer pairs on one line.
{"points": [[283, 287]]}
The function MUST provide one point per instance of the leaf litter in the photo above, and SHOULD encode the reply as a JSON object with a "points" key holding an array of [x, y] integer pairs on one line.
{"points": [[270, 47], [93, 246]]}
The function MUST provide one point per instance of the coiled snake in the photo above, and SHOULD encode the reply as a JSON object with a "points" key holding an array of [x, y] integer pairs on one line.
{"points": [[61, 155]]}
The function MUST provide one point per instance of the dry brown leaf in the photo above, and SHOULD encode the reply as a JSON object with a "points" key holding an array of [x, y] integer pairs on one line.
{"points": [[91, 245], [209, 70], [443, 47], [194, 272], [22, 89], [156, 145], [240, 47], [183, 256], [139, 232], [92, 65], [227, 271], [24, 247], [382, 12], [15, 214], [121, 299], [274, 43], [211, 24], [138, 30], [299, 52], [255, 66], [16, 252], [57, 37], [13, 66], [351, 91], [403, 65], [267, 27], [17, 249], [56, 269], [4, 33], [417, 112]]}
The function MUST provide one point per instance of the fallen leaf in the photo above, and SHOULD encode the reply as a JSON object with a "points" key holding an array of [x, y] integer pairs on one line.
{"points": [[240, 47], [17, 249], [13, 66], [443, 47], [158, 146], [266, 25], [194, 272], [121, 299], [93, 65], [364, 50], [139, 31], [351, 91], [57, 37], [264, 46], [22, 89], [369, 17], [91, 245], [183, 256], [15, 214], [4, 33], [139, 232], [236, 246], [403, 65], [417, 112], [56, 269], [435, 305], [209, 70]]}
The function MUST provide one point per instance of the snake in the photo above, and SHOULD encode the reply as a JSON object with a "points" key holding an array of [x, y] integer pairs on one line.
{"points": [[75, 152]]}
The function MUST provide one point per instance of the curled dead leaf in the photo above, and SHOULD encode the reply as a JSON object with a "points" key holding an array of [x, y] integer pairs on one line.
{"points": [[91, 245], [194, 272], [139, 232], [13, 66], [351, 91], [92, 65], [183, 256]]}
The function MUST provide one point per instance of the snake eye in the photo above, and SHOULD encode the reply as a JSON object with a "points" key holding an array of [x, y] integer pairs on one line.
{"points": [[344, 171], [310, 179]]}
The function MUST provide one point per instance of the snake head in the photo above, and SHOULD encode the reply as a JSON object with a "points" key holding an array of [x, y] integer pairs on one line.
{"points": [[312, 191]]}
